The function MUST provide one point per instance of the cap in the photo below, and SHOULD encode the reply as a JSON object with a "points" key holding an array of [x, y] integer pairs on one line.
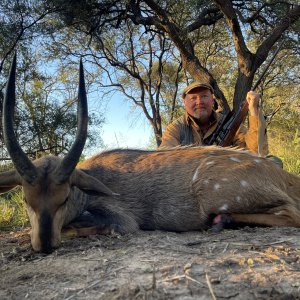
{"points": [[194, 85]]}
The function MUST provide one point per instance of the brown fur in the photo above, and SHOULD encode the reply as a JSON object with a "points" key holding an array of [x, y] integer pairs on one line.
{"points": [[178, 189], [175, 190]]}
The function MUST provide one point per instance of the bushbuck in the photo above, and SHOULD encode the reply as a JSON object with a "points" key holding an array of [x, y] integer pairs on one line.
{"points": [[179, 189]]}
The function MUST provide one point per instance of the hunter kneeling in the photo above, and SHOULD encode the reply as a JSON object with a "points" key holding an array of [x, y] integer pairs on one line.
{"points": [[200, 121]]}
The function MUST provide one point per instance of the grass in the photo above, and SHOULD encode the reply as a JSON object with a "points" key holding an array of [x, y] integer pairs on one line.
{"points": [[288, 150], [13, 210], [12, 207]]}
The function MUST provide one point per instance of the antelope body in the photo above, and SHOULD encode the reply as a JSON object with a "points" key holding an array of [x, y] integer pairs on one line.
{"points": [[180, 189]]}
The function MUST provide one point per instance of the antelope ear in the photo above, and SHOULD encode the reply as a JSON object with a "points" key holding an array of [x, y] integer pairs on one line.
{"points": [[89, 184], [9, 180]]}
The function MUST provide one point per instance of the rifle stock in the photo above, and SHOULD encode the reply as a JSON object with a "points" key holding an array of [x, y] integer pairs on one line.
{"points": [[228, 127], [232, 126]]}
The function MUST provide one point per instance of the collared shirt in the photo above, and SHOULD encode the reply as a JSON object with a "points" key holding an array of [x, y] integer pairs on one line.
{"points": [[185, 131]]}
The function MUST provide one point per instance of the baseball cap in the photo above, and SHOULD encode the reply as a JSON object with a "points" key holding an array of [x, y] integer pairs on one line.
{"points": [[196, 84]]}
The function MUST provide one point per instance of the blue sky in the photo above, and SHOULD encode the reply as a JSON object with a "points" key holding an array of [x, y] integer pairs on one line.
{"points": [[124, 127]]}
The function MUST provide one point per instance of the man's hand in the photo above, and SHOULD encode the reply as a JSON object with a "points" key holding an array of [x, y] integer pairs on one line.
{"points": [[253, 101]]}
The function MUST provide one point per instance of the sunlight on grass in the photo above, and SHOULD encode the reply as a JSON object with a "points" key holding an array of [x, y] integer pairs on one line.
{"points": [[13, 210], [287, 150]]}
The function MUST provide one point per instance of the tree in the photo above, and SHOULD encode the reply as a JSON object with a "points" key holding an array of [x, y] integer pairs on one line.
{"points": [[45, 120], [133, 44], [18, 25], [134, 62], [44, 124], [250, 29], [141, 59], [247, 62]]}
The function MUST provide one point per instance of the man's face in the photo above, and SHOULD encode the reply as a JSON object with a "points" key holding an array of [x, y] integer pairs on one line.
{"points": [[199, 104]]}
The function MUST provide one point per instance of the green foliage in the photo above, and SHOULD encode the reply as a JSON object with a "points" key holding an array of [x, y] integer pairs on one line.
{"points": [[287, 149], [13, 210], [12, 206]]}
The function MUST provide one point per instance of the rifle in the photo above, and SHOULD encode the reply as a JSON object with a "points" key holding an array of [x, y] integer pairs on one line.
{"points": [[231, 122], [228, 126]]}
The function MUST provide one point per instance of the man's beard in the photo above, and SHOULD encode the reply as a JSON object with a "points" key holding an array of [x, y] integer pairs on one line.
{"points": [[201, 115]]}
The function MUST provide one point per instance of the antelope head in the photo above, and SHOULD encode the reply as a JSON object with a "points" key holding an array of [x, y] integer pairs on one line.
{"points": [[47, 182]]}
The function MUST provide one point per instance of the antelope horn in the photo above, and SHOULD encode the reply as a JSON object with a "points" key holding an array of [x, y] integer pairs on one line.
{"points": [[70, 161], [22, 163]]}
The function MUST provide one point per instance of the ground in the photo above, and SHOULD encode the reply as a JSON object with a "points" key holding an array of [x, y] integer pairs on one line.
{"points": [[250, 263]]}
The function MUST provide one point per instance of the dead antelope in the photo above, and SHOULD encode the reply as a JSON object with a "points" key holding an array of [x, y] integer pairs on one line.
{"points": [[180, 189]]}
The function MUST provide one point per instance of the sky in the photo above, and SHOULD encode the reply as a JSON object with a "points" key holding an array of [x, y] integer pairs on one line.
{"points": [[123, 127]]}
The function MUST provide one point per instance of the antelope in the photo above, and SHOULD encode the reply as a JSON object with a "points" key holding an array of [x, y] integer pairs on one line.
{"points": [[179, 189]]}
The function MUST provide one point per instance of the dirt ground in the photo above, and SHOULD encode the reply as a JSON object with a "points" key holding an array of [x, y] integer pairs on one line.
{"points": [[250, 263]]}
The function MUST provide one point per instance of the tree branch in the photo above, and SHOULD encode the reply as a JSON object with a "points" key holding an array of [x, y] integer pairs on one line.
{"points": [[203, 19], [243, 54], [265, 47]]}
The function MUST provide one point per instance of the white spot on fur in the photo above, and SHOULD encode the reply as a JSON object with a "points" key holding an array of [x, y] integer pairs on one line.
{"points": [[210, 163], [238, 198], [257, 160], [278, 213], [206, 181], [244, 183], [217, 186], [224, 179], [235, 159], [196, 175], [223, 207]]}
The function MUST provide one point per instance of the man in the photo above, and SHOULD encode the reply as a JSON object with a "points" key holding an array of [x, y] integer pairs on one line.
{"points": [[201, 120]]}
